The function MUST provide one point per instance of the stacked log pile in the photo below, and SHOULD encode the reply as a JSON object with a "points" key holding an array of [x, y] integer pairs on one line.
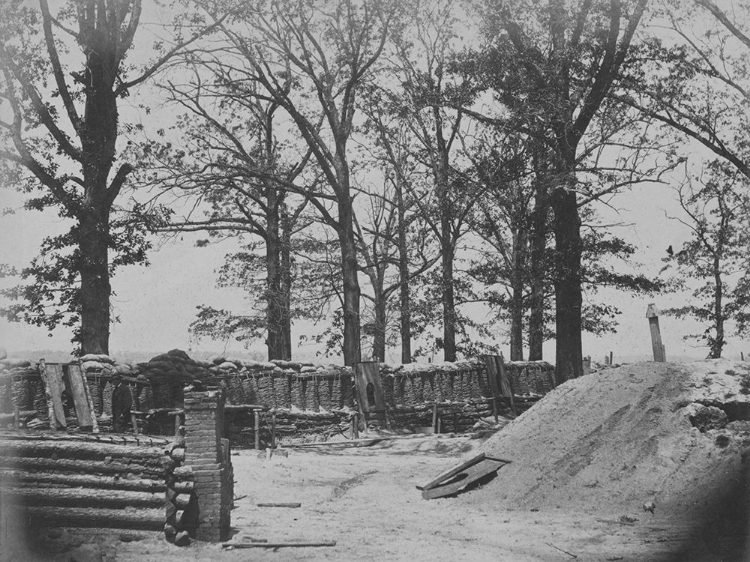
{"points": [[95, 481]]}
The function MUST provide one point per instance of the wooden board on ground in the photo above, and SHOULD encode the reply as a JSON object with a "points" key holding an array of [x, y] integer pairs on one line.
{"points": [[80, 394], [450, 472], [459, 480], [53, 387]]}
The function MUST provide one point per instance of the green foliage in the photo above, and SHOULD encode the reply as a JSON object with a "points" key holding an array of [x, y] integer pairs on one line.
{"points": [[714, 264]]}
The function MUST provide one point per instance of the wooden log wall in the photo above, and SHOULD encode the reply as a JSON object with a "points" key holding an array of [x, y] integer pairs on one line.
{"points": [[96, 481]]}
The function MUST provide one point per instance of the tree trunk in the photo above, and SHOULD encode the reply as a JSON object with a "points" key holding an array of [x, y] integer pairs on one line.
{"points": [[274, 296], [98, 140], [352, 348], [567, 225], [520, 246], [95, 288], [286, 286], [449, 299], [538, 245], [716, 345], [403, 271], [378, 342]]}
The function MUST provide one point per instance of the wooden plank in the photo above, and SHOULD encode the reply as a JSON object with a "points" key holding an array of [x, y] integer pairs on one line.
{"points": [[259, 544], [80, 395], [280, 504], [505, 386], [53, 386], [492, 377], [450, 472], [369, 397], [463, 478]]}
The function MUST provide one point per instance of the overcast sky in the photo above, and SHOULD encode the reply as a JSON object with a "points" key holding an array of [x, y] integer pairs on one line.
{"points": [[156, 304]]}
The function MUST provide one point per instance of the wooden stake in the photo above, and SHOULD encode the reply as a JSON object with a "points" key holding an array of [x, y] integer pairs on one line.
{"points": [[611, 361], [435, 417], [355, 426], [653, 320], [257, 429]]}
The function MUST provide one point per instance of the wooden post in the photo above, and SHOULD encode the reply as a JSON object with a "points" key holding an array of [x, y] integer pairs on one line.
{"points": [[491, 367], [505, 386], [256, 414], [273, 429], [355, 425], [742, 356], [611, 360], [435, 417], [653, 321]]}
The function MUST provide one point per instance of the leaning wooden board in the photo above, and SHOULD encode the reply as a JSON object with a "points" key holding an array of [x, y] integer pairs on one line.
{"points": [[457, 478], [53, 387], [81, 398], [462, 479]]}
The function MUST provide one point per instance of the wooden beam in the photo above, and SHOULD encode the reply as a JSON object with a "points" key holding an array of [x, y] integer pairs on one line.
{"points": [[146, 519], [81, 398], [52, 378], [653, 321], [259, 544]]}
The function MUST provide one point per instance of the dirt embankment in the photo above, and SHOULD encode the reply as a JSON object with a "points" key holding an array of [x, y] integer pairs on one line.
{"points": [[622, 437]]}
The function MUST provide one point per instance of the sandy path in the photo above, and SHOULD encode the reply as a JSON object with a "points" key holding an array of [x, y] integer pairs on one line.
{"points": [[365, 499]]}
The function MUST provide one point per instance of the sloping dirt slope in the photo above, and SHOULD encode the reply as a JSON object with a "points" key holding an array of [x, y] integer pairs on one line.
{"points": [[621, 437]]}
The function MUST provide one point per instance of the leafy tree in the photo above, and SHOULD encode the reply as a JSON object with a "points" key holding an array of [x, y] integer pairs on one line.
{"points": [[552, 65], [62, 76], [715, 206], [387, 240], [431, 98], [310, 59], [696, 80], [230, 162]]}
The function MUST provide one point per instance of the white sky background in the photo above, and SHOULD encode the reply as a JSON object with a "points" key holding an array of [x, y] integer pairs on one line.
{"points": [[156, 304]]}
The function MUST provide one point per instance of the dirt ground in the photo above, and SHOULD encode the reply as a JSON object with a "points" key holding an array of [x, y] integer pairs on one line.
{"points": [[584, 460]]}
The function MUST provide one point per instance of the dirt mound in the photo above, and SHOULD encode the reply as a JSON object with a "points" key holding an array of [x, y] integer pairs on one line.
{"points": [[621, 437]]}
